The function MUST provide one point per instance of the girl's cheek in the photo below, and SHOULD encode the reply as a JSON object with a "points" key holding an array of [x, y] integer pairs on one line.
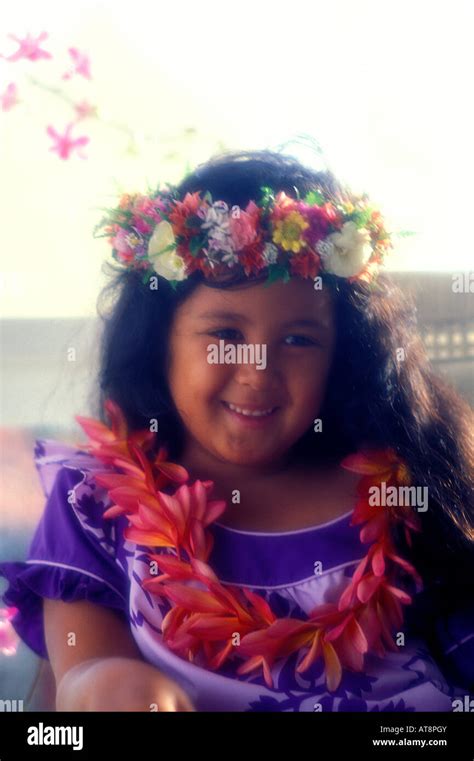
{"points": [[204, 376]]}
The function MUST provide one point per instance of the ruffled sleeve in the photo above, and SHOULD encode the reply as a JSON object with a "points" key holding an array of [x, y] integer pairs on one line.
{"points": [[73, 554]]}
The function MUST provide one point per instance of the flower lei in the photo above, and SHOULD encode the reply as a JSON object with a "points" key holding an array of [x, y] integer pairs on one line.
{"points": [[282, 236], [206, 615]]}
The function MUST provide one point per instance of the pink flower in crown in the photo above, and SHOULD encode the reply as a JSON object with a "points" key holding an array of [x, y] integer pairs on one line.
{"points": [[320, 219], [143, 206], [129, 245], [147, 207], [243, 227]]}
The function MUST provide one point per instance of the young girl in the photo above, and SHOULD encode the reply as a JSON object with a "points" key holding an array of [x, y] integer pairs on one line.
{"points": [[275, 511]]}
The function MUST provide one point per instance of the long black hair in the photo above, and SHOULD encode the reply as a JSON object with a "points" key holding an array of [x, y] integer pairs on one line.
{"points": [[372, 398]]}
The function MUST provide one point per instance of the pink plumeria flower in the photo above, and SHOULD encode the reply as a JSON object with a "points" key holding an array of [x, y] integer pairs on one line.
{"points": [[29, 48], [81, 64], [9, 98], [9, 639], [65, 144], [85, 110]]}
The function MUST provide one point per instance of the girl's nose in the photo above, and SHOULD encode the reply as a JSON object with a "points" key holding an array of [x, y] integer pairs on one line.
{"points": [[262, 376]]}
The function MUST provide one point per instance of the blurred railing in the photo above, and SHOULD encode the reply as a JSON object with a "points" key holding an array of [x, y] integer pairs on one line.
{"points": [[446, 324]]}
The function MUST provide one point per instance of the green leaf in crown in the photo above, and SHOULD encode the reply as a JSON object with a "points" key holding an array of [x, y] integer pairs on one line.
{"points": [[361, 218], [196, 243], [314, 198], [268, 197], [277, 272]]}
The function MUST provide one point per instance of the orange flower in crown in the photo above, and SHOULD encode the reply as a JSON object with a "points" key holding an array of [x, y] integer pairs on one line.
{"points": [[320, 234]]}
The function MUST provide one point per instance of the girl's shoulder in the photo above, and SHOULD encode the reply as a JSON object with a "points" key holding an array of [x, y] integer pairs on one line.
{"points": [[52, 455], [73, 496]]}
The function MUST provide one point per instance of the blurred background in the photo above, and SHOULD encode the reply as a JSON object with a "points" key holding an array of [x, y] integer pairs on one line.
{"points": [[99, 98]]}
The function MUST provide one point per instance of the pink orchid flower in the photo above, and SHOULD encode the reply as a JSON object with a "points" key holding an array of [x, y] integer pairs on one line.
{"points": [[29, 48], [65, 144], [9, 639], [84, 110], [81, 65], [9, 98]]}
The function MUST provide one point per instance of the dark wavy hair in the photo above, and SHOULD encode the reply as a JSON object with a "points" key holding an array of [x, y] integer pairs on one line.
{"points": [[371, 399]]}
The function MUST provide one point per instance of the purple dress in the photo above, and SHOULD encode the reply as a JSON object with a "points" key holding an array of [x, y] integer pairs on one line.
{"points": [[75, 554]]}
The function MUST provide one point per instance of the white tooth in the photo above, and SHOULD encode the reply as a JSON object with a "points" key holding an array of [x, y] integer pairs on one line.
{"points": [[249, 412]]}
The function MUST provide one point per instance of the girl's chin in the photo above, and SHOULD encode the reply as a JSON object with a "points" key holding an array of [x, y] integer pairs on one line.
{"points": [[248, 458]]}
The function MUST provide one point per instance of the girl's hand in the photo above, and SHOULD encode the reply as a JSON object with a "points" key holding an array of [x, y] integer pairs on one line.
{"points": [[119, 684]]}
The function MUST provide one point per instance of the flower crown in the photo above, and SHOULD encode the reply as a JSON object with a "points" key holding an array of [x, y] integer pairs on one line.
{"points": [[280, 236]]}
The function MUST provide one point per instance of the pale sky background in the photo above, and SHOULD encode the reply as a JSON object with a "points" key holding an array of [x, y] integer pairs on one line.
{"points": [[384, 87]]}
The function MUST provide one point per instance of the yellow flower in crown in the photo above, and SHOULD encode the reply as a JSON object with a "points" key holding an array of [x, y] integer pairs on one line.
{"points": [[288, 232]]}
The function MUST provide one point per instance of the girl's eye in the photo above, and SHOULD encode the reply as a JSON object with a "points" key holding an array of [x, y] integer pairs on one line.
{"points": [[230, 334], [301, 341]]}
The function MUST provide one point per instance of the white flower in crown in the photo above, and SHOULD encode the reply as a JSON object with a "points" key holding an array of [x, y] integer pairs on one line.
{"points": [[221, 248], [216, 216], [270, 253], [216, 221], [325, 249], [165, 263], [219, 257], [346, 253]]}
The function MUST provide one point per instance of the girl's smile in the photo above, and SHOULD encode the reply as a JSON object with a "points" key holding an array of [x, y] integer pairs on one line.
{"points": [[254, 416], [240, 414]]}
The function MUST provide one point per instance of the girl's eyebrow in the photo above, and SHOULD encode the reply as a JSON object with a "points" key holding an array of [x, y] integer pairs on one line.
{"points": [[225, 315], [307, 322]]}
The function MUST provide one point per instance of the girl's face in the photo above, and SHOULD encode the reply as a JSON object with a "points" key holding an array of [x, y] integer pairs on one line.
{"points": [[294, 324]]}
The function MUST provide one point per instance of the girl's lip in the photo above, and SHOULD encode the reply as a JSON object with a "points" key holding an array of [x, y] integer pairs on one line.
{"points": [[251, 420], [251, 407]]}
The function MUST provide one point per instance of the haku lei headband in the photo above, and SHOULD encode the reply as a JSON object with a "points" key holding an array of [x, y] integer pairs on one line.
{"points": [[282, 236], [206, 615]]}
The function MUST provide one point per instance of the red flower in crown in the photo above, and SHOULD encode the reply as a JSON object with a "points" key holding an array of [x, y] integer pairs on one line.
{"points": [[251, 258], [306, 264], [183, 211]]}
